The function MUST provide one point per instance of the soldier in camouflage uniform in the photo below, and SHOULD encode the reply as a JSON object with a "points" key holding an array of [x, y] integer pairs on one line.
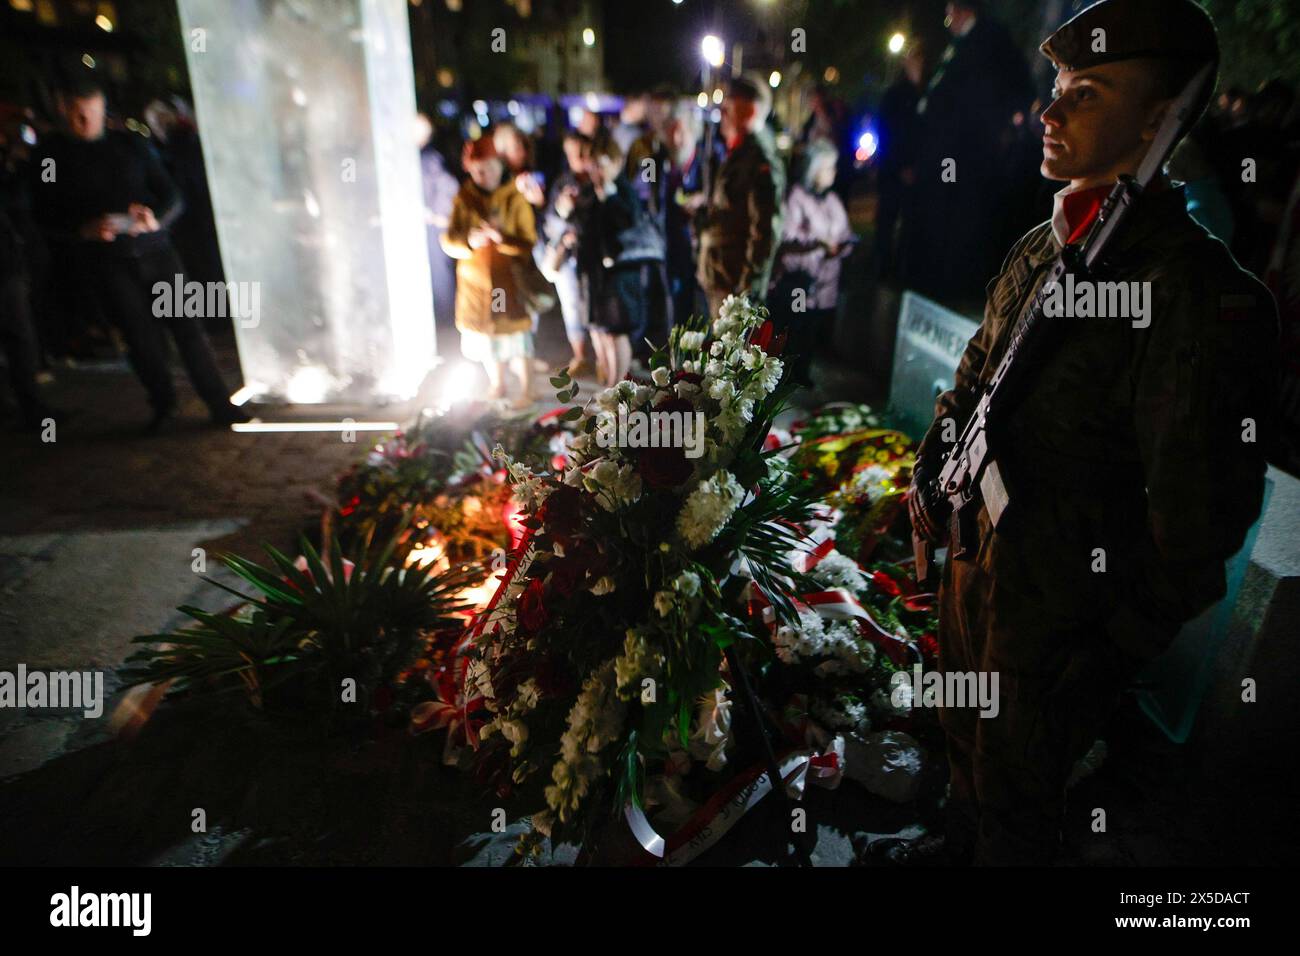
{"points": [[1135, 463], [739, 239]]}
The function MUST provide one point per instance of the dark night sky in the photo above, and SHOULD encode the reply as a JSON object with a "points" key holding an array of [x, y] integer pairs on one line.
{"points": [[652, 42]]}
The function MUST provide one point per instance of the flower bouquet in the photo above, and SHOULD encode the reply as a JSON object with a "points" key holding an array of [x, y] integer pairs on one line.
{"points": [[601, 666]]}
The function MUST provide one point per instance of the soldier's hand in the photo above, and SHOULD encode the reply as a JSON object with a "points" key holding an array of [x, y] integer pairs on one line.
{"points": [[929, 515]]}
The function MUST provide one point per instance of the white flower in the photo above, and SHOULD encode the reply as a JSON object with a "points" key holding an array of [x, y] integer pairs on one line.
{"points": [[527, 696], [708, 509], [720, 388], [870, 482], [769, 376], [605, 472], [639, 662], [660, 376], [687, 583], [840, 571], [690, 341], [710, 739], [642, 394], [515, 731], [603, 585]]}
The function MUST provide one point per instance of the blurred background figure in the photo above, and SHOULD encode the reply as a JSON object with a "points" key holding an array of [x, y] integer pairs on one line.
{"points": [[620, 254], [815, 240], [965, 114], [492, 228], [112, 203], [18, 342], [828, 122], [631, 123], [571, 198], [590, 124], [898, 129], [1258, 133], [739, 238], [515, 148], [440, 188], [176, 137], [683, 205]]}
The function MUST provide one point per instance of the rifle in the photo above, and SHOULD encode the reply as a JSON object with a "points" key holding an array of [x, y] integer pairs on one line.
{"points": [[969, 473]]}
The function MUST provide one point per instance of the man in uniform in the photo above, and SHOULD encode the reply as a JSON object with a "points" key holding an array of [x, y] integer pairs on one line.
{"points": [[1134, 461], [738, 241]]}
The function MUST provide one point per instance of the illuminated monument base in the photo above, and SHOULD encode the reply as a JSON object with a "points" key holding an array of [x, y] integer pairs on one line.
{"points": [[306, 110]]}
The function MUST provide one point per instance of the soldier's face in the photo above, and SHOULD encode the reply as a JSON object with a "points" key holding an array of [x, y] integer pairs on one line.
{"points": [[1100, 122]]}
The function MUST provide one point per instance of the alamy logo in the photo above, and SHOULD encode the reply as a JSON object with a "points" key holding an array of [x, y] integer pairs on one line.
{"points": [[653, 429], [235, 300], [60, 690], [103, 909], [1086, 299], [949, 689]]}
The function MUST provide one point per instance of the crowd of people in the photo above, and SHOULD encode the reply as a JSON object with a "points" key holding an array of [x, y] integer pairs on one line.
{"points": [[619, 226], [642, 222]]}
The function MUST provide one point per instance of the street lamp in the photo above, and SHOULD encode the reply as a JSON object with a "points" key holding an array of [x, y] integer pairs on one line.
{"points": [[712, 49]]}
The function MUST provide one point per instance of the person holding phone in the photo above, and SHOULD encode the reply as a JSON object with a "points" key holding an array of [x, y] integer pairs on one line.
{"points": [[491, 228], [105, 193]]}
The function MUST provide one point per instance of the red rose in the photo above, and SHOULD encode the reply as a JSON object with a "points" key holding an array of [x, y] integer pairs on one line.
{"points": [[667, 467], [929, 645], [566, 575], [532, 611], [563, 511]]}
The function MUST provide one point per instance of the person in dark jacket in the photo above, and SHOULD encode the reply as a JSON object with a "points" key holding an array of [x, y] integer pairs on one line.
{"points": [[619, 257], [965, 115], [106, 194], [739, 239]]}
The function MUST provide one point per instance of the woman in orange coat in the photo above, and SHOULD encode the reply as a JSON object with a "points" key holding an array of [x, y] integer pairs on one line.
{"points": [[492, 232]]}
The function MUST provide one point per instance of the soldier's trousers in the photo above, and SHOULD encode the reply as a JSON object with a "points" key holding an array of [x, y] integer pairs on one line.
{"points": [[1059, 679]]}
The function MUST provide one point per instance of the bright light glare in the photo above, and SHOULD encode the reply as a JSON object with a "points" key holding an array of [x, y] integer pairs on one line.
{"points": [[256, 427], [867, 145], [459, 383], [589, 36], [309, 385], [774, 80], [712, 49], [896, 43]]}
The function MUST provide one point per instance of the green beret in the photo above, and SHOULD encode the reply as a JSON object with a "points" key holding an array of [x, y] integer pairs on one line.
{"points": [[1164, 29]]}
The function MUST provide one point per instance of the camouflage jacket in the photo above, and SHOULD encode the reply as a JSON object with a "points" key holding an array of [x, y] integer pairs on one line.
{"points": [[739, 239], [1134, 440]]}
